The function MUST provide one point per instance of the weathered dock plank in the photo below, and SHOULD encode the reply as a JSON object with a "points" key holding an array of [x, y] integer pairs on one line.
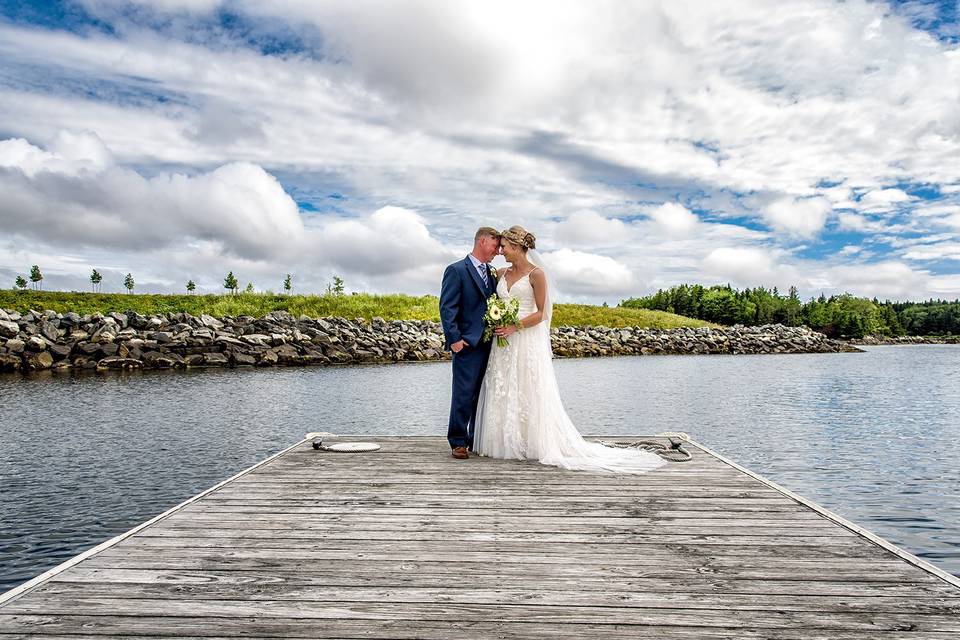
{"points": [[409, 543]]}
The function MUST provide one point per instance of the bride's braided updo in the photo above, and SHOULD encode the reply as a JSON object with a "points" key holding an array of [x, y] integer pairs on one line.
{"points": [[520, 236]]}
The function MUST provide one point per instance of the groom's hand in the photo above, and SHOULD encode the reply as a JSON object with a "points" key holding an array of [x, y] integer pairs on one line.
{"points": [[458, 345]]}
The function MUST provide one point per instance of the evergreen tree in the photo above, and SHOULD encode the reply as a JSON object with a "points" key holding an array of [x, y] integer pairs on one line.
{"points": [[128, 283], [230, 282], [287, 283], [249, 288], [890, 319], [191, 286], [36, 277], [816, 315], [792, 308], [337, 285], [720, 305], [95, 279], [21, 283]]}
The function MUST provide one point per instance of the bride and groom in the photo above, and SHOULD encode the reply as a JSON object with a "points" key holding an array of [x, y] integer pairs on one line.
{"points": [[506, 403]]}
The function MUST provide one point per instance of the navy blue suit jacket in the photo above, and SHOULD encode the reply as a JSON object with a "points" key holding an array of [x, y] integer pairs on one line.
{"points": [[463, 301]]}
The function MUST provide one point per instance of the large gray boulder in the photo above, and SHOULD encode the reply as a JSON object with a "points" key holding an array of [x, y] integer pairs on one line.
{"points": [[210, 322], [9, 329], [214, 359], [70, 319], [10, 362], [37, 361], [59, 351], [121, 318], [49, 330], [159, 360], [115, 362]]}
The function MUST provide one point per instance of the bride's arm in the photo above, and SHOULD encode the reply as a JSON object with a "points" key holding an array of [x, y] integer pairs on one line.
{"points": [[539, 283]]}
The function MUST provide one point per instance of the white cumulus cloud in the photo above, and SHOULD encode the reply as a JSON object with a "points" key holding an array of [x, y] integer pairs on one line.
{"points": [[674, 218], [590, 229], [882, 200], [740, 264], [886, 279], [802, 217], [74, 196], [577, 273], [934, 251], [391, 241]]}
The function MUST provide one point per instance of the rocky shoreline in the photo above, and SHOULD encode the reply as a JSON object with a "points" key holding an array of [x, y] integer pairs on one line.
{"points": [[48, 340]]}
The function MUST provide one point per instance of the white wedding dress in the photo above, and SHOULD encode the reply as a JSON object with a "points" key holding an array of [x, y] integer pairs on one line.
{"points": [[520, 414]]}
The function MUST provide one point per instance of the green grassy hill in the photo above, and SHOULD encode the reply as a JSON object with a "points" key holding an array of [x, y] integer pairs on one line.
{"points": [[389, 307]]}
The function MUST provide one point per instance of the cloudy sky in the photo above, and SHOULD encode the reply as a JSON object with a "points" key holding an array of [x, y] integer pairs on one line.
{"points": [[646, 144]]}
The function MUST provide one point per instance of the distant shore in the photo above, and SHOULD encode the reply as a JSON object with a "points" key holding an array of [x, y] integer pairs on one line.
{"points": [[890, 340], [49, 340]]}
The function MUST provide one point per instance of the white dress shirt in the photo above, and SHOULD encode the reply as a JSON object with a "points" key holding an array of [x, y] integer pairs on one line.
{"points": [[481, 267]]}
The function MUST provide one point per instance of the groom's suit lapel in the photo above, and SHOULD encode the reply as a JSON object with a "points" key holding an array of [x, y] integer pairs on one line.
{"points": [[476, 276]]}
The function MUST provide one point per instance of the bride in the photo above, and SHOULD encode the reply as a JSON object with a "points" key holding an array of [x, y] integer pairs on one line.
{"points": [[520, 414]]}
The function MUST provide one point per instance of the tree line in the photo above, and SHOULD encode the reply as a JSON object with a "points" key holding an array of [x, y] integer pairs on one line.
{"points": [[839, 316], [230, 283], [36, 280]]}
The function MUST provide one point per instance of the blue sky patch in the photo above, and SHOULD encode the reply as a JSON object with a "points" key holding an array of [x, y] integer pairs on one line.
{"points": [[940, 18]]}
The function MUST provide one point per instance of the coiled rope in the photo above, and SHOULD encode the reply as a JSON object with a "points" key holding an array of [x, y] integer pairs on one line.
{"points": [[339, 447], [673, 452]]}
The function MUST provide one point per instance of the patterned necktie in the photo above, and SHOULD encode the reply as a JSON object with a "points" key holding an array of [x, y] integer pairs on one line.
{"points": [[482, 268]]}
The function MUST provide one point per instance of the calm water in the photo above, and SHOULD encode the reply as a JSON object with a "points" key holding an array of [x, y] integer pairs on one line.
{"points": [[874, 436]]}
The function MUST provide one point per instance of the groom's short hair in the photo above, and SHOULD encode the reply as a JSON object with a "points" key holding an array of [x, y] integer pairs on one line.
{"points": [[485, 231]]}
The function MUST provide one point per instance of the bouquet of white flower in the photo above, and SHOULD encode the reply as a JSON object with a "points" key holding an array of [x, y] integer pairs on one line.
{"points": [[500, 313]]}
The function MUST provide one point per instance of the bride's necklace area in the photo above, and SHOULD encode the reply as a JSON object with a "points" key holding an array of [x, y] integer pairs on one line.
{"points": [[514, 268]]}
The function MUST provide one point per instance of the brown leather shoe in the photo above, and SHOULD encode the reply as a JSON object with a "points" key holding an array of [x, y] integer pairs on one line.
{"points": [[460, 453]]}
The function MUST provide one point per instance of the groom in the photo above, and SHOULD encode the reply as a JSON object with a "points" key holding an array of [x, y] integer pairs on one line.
{"points": [[466, 286]]}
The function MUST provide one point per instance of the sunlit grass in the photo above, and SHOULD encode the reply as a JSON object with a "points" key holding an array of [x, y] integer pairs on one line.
{"points": [[593, 316], [362, 305]]}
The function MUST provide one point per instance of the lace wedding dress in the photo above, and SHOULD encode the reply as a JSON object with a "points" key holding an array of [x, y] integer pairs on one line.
{"points": [[520, 414]]}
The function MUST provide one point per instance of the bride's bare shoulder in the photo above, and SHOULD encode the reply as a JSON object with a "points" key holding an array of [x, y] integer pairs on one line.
{"points": [[537, 276]]}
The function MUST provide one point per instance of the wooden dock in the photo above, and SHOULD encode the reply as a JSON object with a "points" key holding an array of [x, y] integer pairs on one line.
{"points": [[409, 543]]}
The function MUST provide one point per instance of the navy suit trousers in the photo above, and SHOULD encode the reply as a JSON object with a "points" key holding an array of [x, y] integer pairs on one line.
{"points": [[468, 368]]}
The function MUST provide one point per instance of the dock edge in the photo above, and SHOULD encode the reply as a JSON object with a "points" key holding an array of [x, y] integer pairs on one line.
{"points": [[843, 522]]}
